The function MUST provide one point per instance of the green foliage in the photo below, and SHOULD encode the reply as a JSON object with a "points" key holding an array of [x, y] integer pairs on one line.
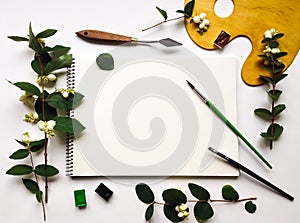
{"points": [[144, 193], [263, 113], [171, 213], [187, 13], [28, 87], [19, 154], [272, 62], [175, 202], [162, 12], [47, 63], [250, 207], [199, 192], [43, 109], [105, 61], [20, 169], [149, 212], [229, 193], [188, 9], [174, 196], [36, 146], [203, 211], [56, 100], [46, 170], [68, 125], [273, 133]]}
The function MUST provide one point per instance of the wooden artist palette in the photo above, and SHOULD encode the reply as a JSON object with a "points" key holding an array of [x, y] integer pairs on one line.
{"points": [[251, 19]]}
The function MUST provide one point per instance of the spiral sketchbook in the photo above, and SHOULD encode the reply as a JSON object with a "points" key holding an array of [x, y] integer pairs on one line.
{"points": [[142, 119]]}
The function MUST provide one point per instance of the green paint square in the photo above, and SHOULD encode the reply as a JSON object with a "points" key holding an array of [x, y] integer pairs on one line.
{"points": [[80, 199]]}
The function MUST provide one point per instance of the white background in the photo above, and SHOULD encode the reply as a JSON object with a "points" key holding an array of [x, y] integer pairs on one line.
{"points": [[130, 17]]}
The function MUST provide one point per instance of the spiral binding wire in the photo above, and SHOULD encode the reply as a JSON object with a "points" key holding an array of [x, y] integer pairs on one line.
{"points": [[70, 113]]}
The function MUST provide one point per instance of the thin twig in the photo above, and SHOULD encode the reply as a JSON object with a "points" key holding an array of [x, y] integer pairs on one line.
{"points": [[158, 24], [37, 181]]}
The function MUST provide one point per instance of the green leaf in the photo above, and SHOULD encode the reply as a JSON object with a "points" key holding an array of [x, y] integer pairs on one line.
{"points": [[68, 125], [36, 146], [278, 109], [263, 56], [46, 33], [273, 44], [58, 63], [229, 193], [39, 196], [22, 143], [46, 170], [35, 65], [18, 38], [174, 196], [19, 154], [183, 12], [278, 55], [279, 77], [162, 12], [274, 94], [28, 87], [50, 112], [266, 79], [171, 213], [149, 212], [34, 44], [57, 50], [57, 101], [277, 36], [144, 193], [263, 113], [20, 169], [276, 132], [105, 61], [189, 7], [278, 68], [199, 192], [203, 211], [31, 185], [266, 40], [250, 207], [269, 69]]}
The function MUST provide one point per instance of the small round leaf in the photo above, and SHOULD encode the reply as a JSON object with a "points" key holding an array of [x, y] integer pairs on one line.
{"points": [[105, 61], [199, 192], [174, 196], [229, 193], [250, 207], [144, 193], [203, 211], [171, 213]]}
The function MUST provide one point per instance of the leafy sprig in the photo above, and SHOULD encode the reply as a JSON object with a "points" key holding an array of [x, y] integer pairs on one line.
{"points": [[272, 62], [175, 206], [49, 112], [186, 13]]}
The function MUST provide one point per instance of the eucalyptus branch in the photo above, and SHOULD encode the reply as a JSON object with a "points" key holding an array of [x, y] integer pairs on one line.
{"points": [[272, 62]]}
